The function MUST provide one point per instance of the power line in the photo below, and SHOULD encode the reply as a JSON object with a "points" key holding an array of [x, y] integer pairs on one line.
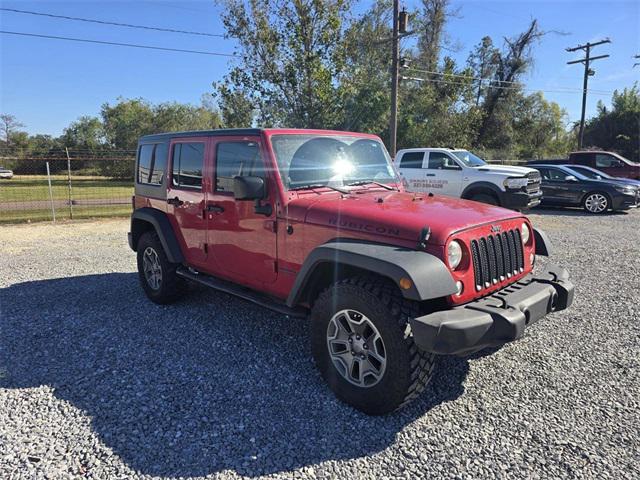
{"points": [[104, 22], [500, 88], [488, 79], [133, 45]]}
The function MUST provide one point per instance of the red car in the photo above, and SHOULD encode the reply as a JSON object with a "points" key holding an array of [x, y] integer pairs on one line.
{"points": [[317, 223], [609, 162]]}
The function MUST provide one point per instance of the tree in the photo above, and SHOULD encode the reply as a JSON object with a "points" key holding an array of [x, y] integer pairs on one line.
{"points": [[129, 119], [236, 107], [8, 126], [291, 57], [430, 22], [365, 80], [126, 121], [504, 69], [86, 132], [617, 128]]}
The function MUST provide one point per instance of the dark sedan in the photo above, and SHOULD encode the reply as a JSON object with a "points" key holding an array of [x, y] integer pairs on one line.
{"points": [[565, 187]]}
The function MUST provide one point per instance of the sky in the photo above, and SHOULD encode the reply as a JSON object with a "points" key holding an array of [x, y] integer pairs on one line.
{"points": [[47, 83]]}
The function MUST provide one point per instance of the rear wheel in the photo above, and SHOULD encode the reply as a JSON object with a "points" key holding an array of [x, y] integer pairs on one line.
{"points": [[485, 198], [596, 202], [363, 346], [156, 274]]}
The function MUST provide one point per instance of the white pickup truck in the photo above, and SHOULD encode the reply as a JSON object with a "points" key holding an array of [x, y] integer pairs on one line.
{"points": [[460, 173]]}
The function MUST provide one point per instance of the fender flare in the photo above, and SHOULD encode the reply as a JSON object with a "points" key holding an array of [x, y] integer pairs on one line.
{"points": [[162, 226], [483, 186], [543, 243], [430, 277]]}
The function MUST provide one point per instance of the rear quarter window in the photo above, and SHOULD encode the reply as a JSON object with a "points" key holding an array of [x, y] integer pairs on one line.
{"points": [[152, 162]]}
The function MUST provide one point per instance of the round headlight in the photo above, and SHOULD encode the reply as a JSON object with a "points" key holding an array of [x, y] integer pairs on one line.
{"points": [[526, 234], [454, 254]]}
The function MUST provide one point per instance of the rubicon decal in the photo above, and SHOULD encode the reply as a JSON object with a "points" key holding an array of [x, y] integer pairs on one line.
{"points": [[365, 227]]}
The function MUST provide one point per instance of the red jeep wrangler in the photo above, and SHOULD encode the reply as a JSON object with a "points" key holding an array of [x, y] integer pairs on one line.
{"points": [[317, 223]]}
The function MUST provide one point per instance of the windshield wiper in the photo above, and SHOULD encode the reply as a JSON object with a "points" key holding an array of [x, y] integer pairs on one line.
{"points": [[366, 182], [319, 185]]}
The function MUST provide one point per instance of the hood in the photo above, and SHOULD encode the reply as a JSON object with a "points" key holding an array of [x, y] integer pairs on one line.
{"points": [[396, 214], [611, 182], [509, 170]]}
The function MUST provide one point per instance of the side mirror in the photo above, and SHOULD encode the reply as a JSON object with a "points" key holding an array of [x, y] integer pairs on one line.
{"points": [[249, 188], [619, 164], [570, 178]]}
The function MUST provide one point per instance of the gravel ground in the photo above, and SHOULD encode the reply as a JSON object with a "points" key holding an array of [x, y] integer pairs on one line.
{"points": [[97, 382]]}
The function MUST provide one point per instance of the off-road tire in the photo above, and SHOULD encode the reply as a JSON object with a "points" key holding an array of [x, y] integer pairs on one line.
{"points": [[485, 198], [607, 204], [171, 286], [408, 369]]}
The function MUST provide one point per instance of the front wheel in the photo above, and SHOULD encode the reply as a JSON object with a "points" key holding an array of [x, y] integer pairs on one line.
{"points": [[363, 346], [596, 202], [485, 198]]}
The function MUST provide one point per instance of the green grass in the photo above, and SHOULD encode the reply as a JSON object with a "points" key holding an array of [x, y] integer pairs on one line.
{"points": [[34, 188], [38, 215], [26, 188]]}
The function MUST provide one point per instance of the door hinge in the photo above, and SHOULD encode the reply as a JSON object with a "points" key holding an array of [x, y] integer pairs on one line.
{"points": [[275, 266], [272, 226], [206, 248]]}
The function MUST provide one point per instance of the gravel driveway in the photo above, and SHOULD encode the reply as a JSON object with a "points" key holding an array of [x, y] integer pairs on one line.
{"points": [[97, 382]]}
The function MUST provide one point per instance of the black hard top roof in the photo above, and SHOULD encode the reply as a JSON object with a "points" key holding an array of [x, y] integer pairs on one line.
{"points": [[201, 133]]}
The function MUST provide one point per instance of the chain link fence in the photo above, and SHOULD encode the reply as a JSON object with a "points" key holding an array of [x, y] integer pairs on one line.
{"points": [[66, 186]]}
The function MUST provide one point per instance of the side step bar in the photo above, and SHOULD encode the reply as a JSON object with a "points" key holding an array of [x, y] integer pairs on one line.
{"points": [[242, 292]]}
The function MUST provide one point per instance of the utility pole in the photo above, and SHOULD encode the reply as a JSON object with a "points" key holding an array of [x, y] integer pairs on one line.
{"points": [[587, 73], [637, 63], [400, 25], [395, 54]]}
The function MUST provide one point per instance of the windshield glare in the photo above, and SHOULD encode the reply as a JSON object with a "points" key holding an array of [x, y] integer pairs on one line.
{"points": [[468, 158], [319, 160]]}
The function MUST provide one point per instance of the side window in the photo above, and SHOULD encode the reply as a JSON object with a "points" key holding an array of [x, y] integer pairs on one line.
{"points": [[556, 175], [188, 159], [412, 160], [606, 161], [544, 173], [152, 159], [236, 159], [441, 161]]}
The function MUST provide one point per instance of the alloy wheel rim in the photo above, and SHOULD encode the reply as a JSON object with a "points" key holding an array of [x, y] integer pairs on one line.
{"points": [[152, 268], [596, 203], [356, 348]]}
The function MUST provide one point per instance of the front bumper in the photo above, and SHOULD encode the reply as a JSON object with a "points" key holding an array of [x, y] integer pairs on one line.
{"points": [[494, 320], [519, 199], [625, 202]]}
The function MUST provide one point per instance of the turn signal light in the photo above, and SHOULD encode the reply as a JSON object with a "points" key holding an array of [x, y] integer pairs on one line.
{"points": [[405, 283]]}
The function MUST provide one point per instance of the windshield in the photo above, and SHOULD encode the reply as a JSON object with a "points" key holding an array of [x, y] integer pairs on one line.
{"points": [[468, 158], [625, 160], [331, 160]]}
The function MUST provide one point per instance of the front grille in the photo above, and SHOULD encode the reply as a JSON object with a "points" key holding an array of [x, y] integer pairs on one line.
{"points": [[496, 258], [533, 183]]}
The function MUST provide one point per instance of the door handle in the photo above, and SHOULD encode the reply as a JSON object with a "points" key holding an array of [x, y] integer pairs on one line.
{"points": [[215, 208], [175, 201], [429, 174]]}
